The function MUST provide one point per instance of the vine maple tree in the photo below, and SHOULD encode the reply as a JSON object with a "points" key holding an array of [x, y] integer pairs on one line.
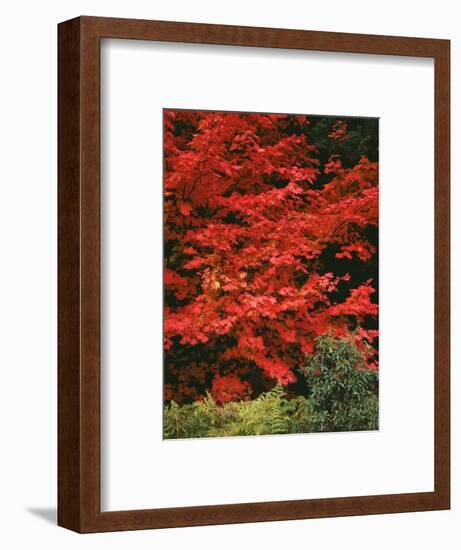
{"points": [[270, 237]]}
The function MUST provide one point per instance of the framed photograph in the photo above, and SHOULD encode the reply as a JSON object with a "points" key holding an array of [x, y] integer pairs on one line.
{"points": [[253, 274]]}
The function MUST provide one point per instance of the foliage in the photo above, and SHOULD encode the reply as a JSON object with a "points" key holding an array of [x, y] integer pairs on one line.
{"points": [[229, 388], [342, 388], [340, 394], [270, 413], [270, 241]]}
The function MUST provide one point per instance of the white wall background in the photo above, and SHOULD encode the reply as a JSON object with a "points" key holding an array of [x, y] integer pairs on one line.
{"points": [[28, 272]]}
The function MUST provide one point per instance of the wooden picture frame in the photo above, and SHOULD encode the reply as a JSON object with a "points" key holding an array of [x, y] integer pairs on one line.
{"points": [[79, 274]]}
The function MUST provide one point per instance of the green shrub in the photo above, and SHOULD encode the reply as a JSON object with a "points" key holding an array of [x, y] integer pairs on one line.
{"points": [[343, 393]]}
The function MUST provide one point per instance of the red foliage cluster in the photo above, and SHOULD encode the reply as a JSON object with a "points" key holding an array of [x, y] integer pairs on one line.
{"points": [[229, 388], [339, 131], [247, 224]]}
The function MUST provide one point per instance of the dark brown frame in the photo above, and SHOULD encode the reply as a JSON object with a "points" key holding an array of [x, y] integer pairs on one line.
{"points": [[79, 284]]}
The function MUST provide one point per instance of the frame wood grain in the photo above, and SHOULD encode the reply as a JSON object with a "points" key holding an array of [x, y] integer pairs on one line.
{"points": [[79, 274]]}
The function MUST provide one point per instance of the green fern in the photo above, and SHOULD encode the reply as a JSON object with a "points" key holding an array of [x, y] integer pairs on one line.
{"points": [[270, 413]]}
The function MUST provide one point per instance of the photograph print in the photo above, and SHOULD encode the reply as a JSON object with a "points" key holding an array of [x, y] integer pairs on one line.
{"points": [[270, 274]]}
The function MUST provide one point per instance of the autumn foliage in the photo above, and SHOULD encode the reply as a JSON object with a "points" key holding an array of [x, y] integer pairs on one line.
{"points": [[270, 241]]}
